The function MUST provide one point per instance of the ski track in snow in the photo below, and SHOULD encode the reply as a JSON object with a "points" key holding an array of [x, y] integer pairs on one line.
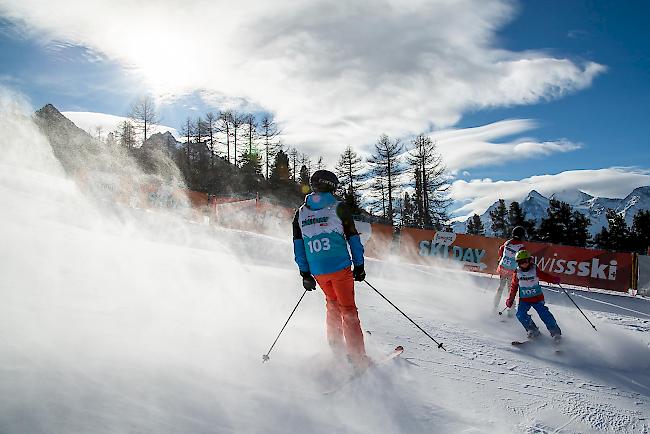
{"points": [[116, 321], [524, 385]]}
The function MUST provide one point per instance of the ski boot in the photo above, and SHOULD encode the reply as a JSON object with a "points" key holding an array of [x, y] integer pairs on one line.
{"points": [[533, 333], [361, 365]]}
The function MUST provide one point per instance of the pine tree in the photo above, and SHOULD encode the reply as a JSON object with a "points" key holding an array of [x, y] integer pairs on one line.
{"points": [[619, 233], [304, 179], [280, 169], [602, 240], [517, 217], [499, 220], [556, 227], [408, 211], [641, 231], [578, 233], [251, 169], [475, 226]]}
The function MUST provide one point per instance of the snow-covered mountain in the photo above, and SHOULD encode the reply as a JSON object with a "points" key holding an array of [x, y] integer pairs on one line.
{"points": [[536, 205]]}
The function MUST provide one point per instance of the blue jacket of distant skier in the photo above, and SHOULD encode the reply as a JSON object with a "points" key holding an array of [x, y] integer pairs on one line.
{"points": [[322, 230]]}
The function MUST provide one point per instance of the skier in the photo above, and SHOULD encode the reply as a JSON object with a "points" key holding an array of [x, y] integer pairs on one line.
{"points": [[322, 229], [525, 279], [507, 263]]}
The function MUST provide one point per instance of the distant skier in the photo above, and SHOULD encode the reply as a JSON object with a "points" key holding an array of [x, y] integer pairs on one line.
{"points": [[526, 279], [322, 229], [507, 264]]}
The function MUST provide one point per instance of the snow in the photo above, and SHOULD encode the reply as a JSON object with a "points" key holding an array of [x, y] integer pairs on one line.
{"points": [[572, 197], [118, 320]]}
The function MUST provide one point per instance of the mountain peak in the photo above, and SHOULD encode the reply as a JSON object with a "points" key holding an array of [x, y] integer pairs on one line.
{"points": [[643, 190], [534, 194], [571, 196], [49, 111]]}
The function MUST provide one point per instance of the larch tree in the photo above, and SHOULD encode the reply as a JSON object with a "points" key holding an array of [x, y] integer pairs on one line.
{"points": [[431, 183], [349, 171], [385, 162], [211, 131], [126, 134], [187, 130], [293, 157], [251, 132], [237, 120], [224, 126], [268, 132], [144, 115]]}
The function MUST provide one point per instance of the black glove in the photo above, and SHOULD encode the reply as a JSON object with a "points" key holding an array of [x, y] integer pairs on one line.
{"points": [[308, 281], [359, 273]]}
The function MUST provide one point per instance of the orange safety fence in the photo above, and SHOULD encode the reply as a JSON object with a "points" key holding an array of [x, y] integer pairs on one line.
{"points": [[592, 268]]}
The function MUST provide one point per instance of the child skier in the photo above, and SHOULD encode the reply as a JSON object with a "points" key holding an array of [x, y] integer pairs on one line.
{"points": [[322, 229], [525, 279], [507, 264]]}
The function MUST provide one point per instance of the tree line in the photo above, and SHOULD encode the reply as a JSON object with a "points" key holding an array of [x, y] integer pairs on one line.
{"points": [[234, 152], [564, 225]]}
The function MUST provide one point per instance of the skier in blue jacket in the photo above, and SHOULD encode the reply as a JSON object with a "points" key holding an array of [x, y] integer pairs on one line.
{"points": [[323, 229]]}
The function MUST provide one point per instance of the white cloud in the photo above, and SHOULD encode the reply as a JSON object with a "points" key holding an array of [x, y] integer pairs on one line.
{"points": [[334, 73], [476, 147], [614, 182], [89, 121]]}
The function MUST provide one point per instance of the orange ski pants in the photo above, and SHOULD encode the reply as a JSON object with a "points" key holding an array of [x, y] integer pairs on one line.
{"points": [[342, 316]]}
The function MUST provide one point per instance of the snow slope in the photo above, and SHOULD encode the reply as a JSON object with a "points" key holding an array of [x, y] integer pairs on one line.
{"points": [[118, 320]]}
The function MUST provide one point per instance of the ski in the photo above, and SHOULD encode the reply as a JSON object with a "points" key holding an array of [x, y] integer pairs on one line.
{"points": [[387, 358], [519, 343]]}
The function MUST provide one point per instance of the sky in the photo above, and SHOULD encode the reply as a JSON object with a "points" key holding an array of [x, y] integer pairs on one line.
{"points": [[517, 94]]}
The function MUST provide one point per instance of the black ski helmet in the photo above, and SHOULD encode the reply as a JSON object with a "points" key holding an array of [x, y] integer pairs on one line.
{"points": [[519, 232], [323, 181]]}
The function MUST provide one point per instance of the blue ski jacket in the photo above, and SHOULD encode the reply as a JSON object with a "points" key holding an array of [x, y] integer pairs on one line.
{"points": [[322, 230]]}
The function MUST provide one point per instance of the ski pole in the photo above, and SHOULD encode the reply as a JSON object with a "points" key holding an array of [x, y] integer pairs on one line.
{"points": [[406, 316], [502, 310], [574, 303], [265, 357]]}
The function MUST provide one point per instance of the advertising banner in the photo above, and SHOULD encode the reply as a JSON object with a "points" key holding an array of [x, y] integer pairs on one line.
{"points": [[377, 239], [574, 265]]}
